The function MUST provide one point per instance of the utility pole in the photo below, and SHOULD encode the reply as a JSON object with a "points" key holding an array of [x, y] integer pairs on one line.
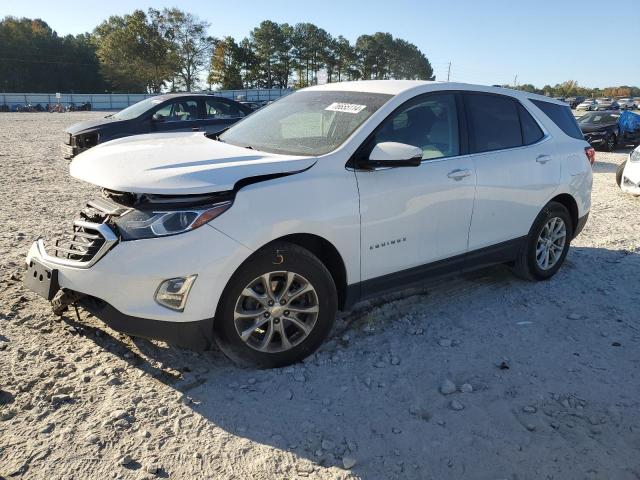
{"points": [[449, 72], [515, 81]]}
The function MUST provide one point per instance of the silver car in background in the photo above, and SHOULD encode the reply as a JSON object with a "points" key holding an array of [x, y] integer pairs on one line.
{"points": [[627, 103], [588, 105]]}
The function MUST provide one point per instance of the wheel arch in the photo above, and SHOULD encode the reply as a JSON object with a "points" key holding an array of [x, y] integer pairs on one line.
{"points": [[328, 255], [570, 204], [321, 248]]}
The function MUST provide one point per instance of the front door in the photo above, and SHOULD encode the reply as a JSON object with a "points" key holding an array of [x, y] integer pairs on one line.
{"points": [[412, 216], [176, 115], [219, 114]]}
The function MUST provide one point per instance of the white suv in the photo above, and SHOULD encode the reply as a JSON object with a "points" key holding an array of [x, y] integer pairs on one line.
{"points": [[331, 195]]}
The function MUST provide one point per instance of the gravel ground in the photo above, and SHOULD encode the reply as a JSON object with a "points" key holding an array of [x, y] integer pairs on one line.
{"points": [[482, 376]]}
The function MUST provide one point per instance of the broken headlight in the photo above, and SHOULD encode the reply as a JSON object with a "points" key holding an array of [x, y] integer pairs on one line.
{"points": [[139, 224]]}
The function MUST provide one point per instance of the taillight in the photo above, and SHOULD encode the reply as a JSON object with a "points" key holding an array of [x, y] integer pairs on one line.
{"points": [[590, 152]]}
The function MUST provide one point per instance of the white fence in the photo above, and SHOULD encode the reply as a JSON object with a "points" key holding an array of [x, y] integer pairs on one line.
{"points": [[118, 101]]}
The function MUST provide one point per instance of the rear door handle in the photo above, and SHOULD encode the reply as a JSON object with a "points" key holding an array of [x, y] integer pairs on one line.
{"points": [[459, 174], [195, 129], [543, 159]]}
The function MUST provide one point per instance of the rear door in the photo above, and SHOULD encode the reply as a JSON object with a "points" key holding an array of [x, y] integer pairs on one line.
{"points": [[219, 113], [516, 166], [414, 216]]}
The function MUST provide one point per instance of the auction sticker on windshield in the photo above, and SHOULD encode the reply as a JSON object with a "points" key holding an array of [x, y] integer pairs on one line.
{"points": [[345, 107]]}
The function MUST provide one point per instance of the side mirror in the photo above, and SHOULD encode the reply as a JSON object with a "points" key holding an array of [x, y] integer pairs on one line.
{"points": [[393, 154]]}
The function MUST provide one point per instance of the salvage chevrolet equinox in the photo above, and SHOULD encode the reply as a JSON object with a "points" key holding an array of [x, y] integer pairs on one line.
{"points": [[256, 236]]}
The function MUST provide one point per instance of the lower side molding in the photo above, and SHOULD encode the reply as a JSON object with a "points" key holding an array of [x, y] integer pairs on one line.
{"points": [[483, 257], [195, 335]]}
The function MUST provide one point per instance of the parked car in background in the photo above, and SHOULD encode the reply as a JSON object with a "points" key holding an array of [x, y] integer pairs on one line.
{"points": [[606, 103], [610, 129], [334, 194], [574, 101], [252, 105], [628, 173], [588, 104], [627, 103], [177, 112], [601, 129]]}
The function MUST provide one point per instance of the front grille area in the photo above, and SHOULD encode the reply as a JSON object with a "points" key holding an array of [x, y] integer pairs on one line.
{"points": [[91, 236], [80, 245]]}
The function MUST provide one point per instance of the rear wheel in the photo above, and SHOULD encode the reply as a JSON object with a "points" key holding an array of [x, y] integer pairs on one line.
{"points": [[547, 244], [619, 172], [277, 309]]}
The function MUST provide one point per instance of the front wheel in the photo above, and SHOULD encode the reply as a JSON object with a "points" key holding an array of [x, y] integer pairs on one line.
{"points": [[619, 172], [610, 143], [547, 244], [277, 309]]}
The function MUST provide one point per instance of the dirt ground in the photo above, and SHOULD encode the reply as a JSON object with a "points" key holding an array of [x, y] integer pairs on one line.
{"points": [[545, 375]]}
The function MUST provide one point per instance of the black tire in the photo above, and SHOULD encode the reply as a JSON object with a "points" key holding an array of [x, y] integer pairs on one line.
{"points": [[610, 143], [619, 171], [526, 266], [276, 257]]}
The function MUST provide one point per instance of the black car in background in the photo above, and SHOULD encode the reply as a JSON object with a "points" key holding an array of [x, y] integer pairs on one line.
{"points": [[574, 101], [602, 130], [177, 112]]}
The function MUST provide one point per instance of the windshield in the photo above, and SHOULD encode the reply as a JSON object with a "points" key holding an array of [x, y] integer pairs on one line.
{"points": [[136, 109], [599, 118], [305, 123]]}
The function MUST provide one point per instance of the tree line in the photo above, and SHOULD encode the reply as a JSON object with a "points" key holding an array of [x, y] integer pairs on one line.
{"points": [[169, 49], [570, 88]]}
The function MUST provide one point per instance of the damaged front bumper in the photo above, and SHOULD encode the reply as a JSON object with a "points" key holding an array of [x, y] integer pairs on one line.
{"points": [[117, 280]]}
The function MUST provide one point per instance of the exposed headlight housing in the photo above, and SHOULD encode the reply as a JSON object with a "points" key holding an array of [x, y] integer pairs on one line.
{"points": [[139, 224], [635, 156]]}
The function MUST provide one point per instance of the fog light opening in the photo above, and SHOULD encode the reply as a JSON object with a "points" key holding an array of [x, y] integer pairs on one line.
{"points": [[173, 292]]}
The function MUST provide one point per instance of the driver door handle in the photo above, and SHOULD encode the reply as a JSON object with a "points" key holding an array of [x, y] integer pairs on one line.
{"points": [[195, 129], [543, 159], [459, 174]]}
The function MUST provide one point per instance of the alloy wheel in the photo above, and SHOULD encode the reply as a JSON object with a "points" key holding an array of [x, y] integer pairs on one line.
{"points": [[551, 242], [276, 311]]}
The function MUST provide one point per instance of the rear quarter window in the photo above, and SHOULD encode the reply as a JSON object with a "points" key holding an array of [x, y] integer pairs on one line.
{"points": [[531, 131], [560, 115]]}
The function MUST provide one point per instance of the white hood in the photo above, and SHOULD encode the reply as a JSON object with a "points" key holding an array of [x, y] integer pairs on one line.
{"points": [[177, 164]]}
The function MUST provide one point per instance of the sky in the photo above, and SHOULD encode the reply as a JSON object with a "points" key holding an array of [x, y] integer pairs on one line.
{"points": [[486, 41]]}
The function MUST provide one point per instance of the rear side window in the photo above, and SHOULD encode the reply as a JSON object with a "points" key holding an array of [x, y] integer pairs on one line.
{"points": [[494, 123], [561, 116], [531, 131]]}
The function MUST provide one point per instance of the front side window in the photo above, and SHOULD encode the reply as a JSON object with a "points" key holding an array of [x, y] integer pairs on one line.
{"points": [[177, 111], [494, 122], [430, 123], [306, 122], [219, 109]]}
